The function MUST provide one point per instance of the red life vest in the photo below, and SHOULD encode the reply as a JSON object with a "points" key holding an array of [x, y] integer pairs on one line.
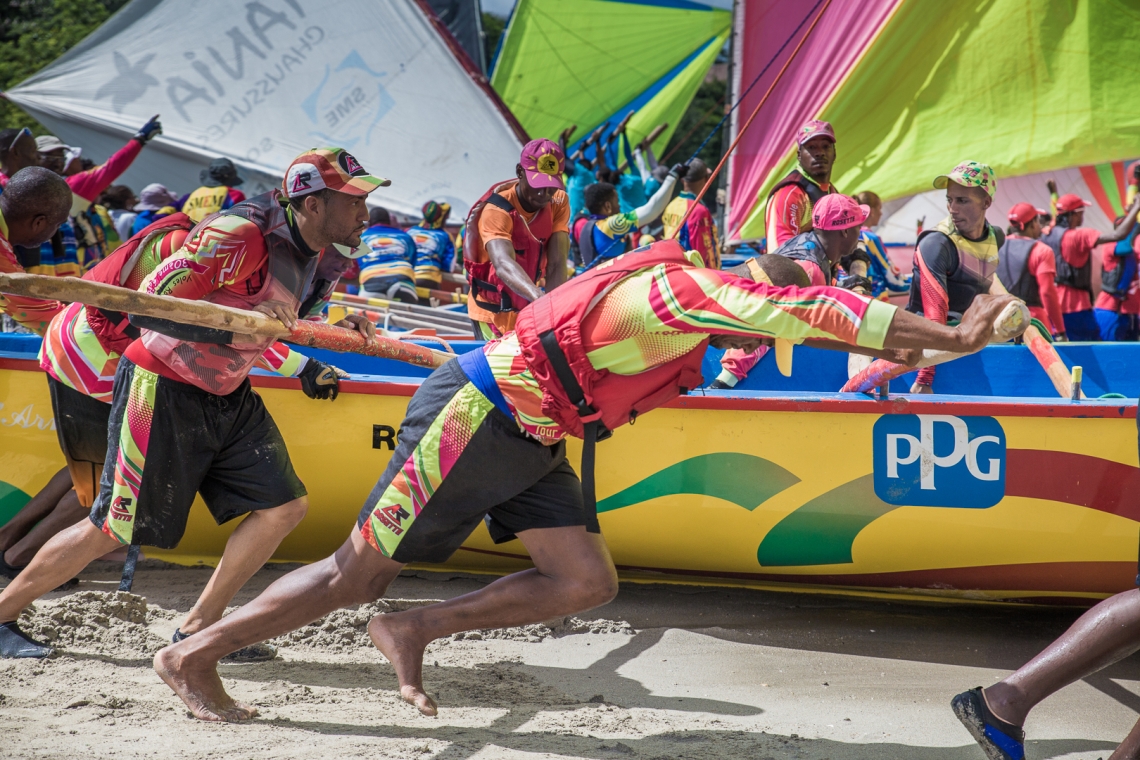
{"points": [[615, 399], [112, 328], [528, 240]]}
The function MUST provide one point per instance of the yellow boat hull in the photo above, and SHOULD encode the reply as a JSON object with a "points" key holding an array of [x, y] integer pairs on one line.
{"points": [[750, 491]]}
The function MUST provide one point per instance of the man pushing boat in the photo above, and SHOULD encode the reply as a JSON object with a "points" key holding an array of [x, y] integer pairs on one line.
{"points": [[183, 418], [483, 440]]}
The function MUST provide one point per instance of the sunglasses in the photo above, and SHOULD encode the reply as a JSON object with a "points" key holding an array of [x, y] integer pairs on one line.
{"points": [[25, 132]]}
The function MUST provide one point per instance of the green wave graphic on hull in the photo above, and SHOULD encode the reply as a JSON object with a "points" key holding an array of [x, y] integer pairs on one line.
{"points": [[745, 480], [823, 531], [12, 500]]}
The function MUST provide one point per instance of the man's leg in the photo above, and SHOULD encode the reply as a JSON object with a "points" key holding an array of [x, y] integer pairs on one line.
{"points": [[67, 512], [37, 508], [62, 557], [356, 574], [1105, 634], [572, 572], [247, 551]]}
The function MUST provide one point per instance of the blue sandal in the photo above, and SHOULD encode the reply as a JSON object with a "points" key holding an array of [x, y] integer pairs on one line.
{"points": [[998, 739]]}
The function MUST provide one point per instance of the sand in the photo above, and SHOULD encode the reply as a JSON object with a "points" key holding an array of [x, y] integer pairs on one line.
{"points": [[662, 672]]}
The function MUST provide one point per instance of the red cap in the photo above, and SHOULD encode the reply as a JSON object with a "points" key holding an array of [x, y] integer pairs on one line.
{"points": [[814, 128], [838, 212], [1024, 213], [1071, 202], [542, 160]]}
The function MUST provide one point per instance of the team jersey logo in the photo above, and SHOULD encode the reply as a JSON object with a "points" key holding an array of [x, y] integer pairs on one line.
{"points": [[350, 165]]}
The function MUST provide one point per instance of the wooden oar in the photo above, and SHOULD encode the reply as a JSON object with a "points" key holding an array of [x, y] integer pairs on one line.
{"points": [[1008, 325], [205, 314], [1043, 352]]}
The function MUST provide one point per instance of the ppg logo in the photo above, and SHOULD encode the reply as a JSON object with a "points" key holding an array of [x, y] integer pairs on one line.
{"points": [[934, 460]]}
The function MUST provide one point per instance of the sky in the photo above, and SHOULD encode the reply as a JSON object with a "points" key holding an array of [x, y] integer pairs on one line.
{"points": [[503, 7]]}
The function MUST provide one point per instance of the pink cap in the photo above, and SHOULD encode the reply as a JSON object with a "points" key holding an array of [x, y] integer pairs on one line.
{"points": [[542, 160], [1071, 202], [814, 128], [838, 212], [1024, 213]]}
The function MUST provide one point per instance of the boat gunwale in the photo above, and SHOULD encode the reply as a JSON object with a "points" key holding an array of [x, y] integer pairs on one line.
{"points": [[752, 401]]}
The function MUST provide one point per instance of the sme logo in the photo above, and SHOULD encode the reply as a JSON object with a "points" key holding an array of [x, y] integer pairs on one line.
{"points": [[934, 460]]}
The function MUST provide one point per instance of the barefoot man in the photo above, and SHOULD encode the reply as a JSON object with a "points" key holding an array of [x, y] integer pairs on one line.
{"points": [[183, 418], [483, 439]]}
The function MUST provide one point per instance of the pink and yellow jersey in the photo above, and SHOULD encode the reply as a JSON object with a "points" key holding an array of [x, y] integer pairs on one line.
{"points": [[657, 315]]}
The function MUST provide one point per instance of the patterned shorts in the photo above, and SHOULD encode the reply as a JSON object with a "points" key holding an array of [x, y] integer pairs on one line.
{"points": [[169, 440], [459, 460]]}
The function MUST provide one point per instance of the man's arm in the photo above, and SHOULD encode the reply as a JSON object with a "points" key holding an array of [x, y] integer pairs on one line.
{"points": [[1046, 275], [1124, 227], [785, 215], [557, 250], [90, 183], [933, 260], [502, 256]]}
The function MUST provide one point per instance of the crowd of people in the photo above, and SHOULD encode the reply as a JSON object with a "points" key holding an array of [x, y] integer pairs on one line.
{"points": [[592, 315]]}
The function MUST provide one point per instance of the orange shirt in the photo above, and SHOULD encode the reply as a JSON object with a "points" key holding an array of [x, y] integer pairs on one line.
{"points": [[496, 224]]}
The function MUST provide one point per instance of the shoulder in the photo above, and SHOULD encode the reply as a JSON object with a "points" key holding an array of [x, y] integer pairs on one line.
{"points": [[225, 233], [936, 243]]}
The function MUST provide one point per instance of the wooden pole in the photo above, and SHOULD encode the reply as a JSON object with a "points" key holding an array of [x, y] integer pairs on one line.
{"points": [[1043, 352], [1007, 326], [206, 314]]}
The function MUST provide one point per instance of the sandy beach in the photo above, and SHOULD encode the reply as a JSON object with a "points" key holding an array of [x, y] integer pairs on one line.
{"points": [[661, 672]]}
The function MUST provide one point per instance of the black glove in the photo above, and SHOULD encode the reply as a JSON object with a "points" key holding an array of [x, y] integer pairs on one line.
{"points": [[719, 385], [149, 130], [319, 380], [679, 170], [856, 283]]}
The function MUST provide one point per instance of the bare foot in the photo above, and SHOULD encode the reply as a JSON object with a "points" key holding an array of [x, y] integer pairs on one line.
{"points": [[200, 688], [406, 653]]}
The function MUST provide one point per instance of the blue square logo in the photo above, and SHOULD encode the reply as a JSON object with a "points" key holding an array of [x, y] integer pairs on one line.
{"points": [[935, 460]]}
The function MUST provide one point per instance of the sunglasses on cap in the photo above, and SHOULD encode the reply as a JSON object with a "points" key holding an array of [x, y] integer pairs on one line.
{"points": [[25, 132]]}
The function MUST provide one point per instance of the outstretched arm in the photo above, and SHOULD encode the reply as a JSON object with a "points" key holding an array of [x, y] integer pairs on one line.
{"points": [[1125, 225]]}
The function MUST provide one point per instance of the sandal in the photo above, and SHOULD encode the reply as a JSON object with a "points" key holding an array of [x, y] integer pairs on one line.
{"points": [[998, 739]]}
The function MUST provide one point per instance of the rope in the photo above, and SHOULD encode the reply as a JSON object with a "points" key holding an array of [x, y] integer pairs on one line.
{"points": [[744, 94], [755, 112]]}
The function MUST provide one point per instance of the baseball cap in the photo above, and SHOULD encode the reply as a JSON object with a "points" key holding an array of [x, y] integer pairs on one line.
{"points": [[332, 168], [1071, 202], [815, 128], [542, 160], [1024, 213], [48, 143], [838, 212], [969, 174]]}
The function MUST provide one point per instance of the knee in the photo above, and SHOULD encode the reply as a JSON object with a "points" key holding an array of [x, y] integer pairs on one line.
{"points": [[593, 589], [292, 513]]}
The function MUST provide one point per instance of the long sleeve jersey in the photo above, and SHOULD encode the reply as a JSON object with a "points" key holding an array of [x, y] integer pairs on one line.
{"points": [[659, 314]]}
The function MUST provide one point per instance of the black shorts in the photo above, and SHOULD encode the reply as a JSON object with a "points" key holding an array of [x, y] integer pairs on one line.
{"points": [[81, 423], [169, 440], [460, 460]]}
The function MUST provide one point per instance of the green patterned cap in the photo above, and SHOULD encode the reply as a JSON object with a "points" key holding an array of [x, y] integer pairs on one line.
{"points": [[969, 174]]}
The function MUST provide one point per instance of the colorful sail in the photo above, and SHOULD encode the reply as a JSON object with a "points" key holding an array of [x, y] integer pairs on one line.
{"points": [[587, 62], [1027, 86]]}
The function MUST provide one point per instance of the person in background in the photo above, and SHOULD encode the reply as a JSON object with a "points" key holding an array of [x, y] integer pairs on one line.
{"points": [[517, 241], [119, 200], [81, 242], [791, 200], [698, 233], [387, 269], [579, 169], [1027, 270], [17, 151], [155, 202], [1118, 302], [607, 231], [886, 278], [1072, 247], [33, 205], [218, 191], [435, 253], [956, 261], [629, 185]]}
